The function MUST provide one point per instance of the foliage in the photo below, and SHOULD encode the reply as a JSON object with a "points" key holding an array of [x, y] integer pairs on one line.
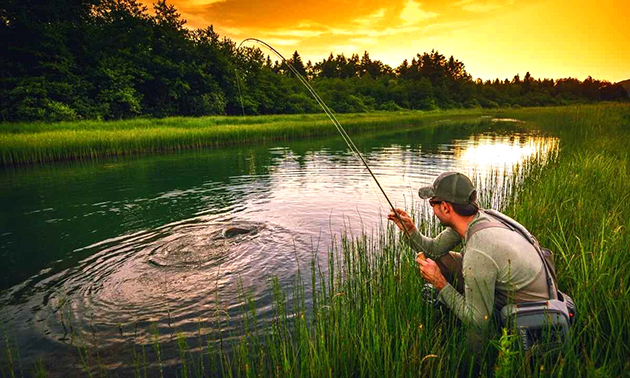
{"points": [[113, 59]]}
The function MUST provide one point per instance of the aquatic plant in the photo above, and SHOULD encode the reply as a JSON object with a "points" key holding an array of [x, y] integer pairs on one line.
{"points": [[26, 143]]}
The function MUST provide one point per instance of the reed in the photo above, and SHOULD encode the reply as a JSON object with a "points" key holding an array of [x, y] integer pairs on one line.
{"points": [[367, 316], [579, 207], [27, 143]]}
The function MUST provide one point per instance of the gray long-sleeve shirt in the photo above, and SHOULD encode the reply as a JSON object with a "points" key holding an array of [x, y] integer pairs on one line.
{"points": [[497, 263]]}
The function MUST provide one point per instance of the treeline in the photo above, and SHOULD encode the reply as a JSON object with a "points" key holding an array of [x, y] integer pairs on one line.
{"points": [[111, 59]]}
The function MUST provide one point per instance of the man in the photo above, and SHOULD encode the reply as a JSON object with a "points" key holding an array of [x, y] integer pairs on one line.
{"points": [[495, 264]]}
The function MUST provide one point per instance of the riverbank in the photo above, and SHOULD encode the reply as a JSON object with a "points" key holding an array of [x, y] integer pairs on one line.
{"points": [[366, 317], [578, 206], [369, 320], [28, 143]]}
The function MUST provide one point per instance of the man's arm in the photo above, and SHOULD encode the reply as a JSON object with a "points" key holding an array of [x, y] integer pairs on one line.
{"points": [[432, 247], [480, 274]]}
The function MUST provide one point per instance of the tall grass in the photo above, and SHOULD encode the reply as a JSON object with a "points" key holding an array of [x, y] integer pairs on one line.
{"points": [[368, 317], [24, 143], [365, 316], [580, 207]]}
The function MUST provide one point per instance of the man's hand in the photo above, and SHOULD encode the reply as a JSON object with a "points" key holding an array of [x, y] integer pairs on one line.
{"points": [[431, 272], [407, 224]]}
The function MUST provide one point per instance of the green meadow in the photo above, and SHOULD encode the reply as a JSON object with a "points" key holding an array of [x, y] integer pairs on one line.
{"points": [[366, 317]]}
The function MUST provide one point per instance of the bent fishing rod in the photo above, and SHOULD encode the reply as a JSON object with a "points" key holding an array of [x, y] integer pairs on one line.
{"points": [[330, 115]]}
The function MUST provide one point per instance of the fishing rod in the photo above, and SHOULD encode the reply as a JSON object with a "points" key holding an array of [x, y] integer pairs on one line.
{"points": [[330, 115]]}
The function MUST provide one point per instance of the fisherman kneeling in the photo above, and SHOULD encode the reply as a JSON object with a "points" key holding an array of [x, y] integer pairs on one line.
{"points": [[497, 264]]}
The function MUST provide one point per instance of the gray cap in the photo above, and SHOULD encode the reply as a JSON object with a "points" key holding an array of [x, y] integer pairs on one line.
{"points": [[451, 187]]}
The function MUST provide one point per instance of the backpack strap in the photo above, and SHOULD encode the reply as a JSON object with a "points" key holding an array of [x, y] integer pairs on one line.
{"points": [[510, 224], [483, 225]]}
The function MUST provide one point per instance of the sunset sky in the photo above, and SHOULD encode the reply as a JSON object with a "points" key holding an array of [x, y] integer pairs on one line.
{"points": [[495, 38]]}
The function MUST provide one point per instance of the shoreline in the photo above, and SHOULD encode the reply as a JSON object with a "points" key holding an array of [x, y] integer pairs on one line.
{"points": [[36, 143]]}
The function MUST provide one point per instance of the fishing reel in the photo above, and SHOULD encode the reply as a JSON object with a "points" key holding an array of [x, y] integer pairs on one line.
{"points": [[430, 294]]}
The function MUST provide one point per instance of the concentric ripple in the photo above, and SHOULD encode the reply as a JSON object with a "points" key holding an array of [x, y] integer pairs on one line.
{"points": [[203, 249], [172, 277]]}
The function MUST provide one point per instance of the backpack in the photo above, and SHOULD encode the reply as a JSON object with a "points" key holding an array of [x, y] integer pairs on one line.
{"points": [[543, 325]]}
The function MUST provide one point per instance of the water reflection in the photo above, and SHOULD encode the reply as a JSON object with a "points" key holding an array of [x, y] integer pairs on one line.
{"points": [[110, 248], [497, 152]]}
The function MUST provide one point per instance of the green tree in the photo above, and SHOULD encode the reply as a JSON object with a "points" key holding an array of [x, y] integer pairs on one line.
{"points": [[296, 62]]}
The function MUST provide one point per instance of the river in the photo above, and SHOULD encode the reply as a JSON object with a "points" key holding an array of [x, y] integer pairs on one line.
{"points": [[109, 249]]}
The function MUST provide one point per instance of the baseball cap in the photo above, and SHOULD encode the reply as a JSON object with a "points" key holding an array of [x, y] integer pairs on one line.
{"points": [[449, 186]]}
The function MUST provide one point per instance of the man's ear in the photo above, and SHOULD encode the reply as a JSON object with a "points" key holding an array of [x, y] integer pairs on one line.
{"points": [[447, 208], [444, 207]]}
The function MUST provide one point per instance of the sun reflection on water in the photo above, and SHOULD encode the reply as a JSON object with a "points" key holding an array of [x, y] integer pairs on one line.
{"points": [[497, 152]]}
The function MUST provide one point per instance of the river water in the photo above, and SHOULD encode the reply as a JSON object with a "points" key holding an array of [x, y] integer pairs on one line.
{"points": [[114, 250]]}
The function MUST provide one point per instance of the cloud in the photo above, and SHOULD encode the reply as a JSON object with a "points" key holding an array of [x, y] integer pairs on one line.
{"points": [[282, 42], [303, 33], [230, 31], [279, 14], [481, 6], [412, 13], [347, 50], [445, 27], [372, 33], [372, 18], [203, 2], [364, 41]]}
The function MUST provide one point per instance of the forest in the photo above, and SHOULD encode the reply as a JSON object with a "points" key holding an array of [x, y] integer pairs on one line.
{"points": [[71, 60]]}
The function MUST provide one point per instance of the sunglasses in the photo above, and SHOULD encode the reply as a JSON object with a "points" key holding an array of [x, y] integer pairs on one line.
{"points": [[434, 202]]}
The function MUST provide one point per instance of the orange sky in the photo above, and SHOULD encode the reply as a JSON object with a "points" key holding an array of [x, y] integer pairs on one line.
{"points": [[494, 38]]}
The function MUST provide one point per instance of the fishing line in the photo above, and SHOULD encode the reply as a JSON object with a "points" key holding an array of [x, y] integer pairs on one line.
{"points": [[238, 86], [330, 115]]}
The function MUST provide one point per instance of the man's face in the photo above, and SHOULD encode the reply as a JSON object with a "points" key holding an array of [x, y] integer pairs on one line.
{"points": [[438, 210]]}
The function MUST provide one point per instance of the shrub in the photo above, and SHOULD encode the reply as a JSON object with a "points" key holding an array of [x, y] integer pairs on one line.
{"points": [[427, 103], [56, 112], [300, 103], [204, 104], [27, 100], [472, 104], [356, 104], [492, 104], [390, 106]]}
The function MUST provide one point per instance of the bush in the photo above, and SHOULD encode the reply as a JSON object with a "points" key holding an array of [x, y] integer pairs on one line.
{"points": [[204, 104], [427, 103], [344, 103], [368, 102], [492, 104], [300, 103], [356, 104], [56, 112], [472, 104], [27, 100], [390, 106], [121, 102]]}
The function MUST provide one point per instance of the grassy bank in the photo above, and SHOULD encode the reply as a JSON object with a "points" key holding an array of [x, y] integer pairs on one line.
{"points": [[367, 318], [24, 143], [579, 206]]}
